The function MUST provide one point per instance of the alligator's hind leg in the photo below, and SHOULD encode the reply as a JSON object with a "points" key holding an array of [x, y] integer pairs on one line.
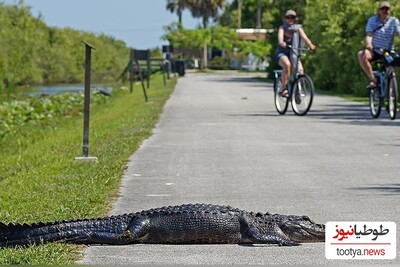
{"points": [[134, 233], [272, 236]]}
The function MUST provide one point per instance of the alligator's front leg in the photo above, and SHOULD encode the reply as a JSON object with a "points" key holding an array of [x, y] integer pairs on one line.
{"points": [[274, 237], [266, 233]]}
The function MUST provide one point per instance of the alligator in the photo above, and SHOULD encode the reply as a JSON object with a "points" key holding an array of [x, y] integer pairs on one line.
{"points": [[181, 224]]}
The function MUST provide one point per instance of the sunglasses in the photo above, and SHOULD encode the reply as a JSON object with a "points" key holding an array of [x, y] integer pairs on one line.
{"points": [[290, 17], [384, 8]]}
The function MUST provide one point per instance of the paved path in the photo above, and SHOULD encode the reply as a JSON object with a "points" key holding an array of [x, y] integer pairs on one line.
{"points": [[221, 141]]}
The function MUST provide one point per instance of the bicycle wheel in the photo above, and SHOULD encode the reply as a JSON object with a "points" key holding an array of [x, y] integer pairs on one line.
{"points": [[392, 98], [375, 102], [281, 103], [302, 95]]}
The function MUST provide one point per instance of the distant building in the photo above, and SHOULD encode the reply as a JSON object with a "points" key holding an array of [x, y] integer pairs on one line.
{"points": [[253, 34], [251, 62]]}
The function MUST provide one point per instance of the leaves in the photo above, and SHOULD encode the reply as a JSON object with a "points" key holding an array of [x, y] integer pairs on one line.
{"points": [[32, 53], [17, 114], [216, 36], [338, 30]]}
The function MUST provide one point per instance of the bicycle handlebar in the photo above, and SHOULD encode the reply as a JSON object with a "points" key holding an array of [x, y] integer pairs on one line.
{"points": [[299, 48]]}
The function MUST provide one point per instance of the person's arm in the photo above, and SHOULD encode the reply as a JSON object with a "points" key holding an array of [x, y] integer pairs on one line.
{"points": [[281, 42], [369, 31], [304, 36], [397, 26], [368, 41]]}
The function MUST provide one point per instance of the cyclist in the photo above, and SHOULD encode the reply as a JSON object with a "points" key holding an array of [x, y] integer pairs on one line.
{"points": [[380, 31], [289, 34]]}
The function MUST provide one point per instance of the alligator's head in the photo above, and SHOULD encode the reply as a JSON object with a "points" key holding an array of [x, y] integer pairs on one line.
{"points": [[302, 229]]}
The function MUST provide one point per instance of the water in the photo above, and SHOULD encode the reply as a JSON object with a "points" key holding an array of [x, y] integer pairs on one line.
{"points": [[64, 88]]}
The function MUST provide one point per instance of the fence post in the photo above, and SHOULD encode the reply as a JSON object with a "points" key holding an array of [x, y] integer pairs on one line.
{"points": [[141, 80], [86, 105], [131, 71], [162, 65], [148, 68]]}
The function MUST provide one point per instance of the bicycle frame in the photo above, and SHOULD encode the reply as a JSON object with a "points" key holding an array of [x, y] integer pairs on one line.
{"points": [[383, 79], [385, 76]]}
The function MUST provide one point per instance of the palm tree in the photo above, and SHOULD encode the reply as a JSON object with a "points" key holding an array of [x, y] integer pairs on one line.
{"points": [[177, 6], [205, 9]]}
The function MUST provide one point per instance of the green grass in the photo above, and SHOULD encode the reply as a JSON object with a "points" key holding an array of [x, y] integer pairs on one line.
{"points": [[361, 99], [42, 181]]}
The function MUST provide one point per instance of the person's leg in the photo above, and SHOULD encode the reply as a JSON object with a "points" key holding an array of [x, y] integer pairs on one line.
{"points": [[364, 58], [301, 69], [284, 62]]}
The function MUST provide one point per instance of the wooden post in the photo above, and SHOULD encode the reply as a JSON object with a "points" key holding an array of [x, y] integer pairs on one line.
{"points": [[148, 68], [141, 80], [86, 105], [131, 71]]}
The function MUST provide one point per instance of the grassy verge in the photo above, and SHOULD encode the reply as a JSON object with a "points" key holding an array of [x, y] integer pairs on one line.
{"points": [[41, 180], [362, 99]]}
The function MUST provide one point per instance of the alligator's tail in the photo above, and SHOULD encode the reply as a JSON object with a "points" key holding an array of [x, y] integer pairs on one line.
{"points": [[108, 230]]}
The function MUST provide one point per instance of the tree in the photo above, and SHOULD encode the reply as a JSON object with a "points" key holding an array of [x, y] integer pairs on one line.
{"points": [[177, 6], [338, 30], [206, 9], [33, 53], [267, 14], [216, 36], [271, 13]]}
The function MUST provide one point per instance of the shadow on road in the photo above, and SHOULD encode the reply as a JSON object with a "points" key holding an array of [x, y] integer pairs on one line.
{"points": [[386, 189], [339, 112], [236, 79], [253, 81], [351, 113]]}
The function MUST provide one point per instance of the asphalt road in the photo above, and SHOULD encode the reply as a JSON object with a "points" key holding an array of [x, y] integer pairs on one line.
{"points": [[220, 141]]}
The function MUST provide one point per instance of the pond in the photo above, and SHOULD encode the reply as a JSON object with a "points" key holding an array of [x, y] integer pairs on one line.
{"points": [[63, 88]]}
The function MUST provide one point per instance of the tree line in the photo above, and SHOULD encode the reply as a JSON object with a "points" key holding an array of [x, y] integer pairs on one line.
{"points": [[32, 52]]}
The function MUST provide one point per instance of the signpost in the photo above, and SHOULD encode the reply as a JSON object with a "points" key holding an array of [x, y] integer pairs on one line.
{"points": [[86, 107], [143, 55]]}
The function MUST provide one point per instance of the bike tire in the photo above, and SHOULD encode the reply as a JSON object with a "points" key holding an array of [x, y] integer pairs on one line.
{"points": [[392, 98], [375, 101], [302, 95], [281, 103]]}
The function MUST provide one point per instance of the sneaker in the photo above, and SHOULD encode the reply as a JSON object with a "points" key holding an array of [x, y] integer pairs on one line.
{"points": [[372, 85]]}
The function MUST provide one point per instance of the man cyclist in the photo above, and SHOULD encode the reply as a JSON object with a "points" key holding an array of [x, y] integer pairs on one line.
{"points": [[380, 31]]}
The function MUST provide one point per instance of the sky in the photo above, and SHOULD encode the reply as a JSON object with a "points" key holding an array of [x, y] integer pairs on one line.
{"points": [[139, 23]]}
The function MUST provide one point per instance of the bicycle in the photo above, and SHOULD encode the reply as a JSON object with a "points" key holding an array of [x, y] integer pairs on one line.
{"points": [[386, 90], [300, 88]]}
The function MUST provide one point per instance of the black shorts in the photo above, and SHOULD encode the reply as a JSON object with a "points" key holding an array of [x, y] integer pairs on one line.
{"points": [[376, 56]]}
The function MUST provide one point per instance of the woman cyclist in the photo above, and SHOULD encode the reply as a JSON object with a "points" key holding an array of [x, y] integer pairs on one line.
{"points": [[290, 34]]}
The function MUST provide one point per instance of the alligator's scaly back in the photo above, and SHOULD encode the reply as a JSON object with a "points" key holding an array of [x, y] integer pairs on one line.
{"points": [[183, 224]]}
